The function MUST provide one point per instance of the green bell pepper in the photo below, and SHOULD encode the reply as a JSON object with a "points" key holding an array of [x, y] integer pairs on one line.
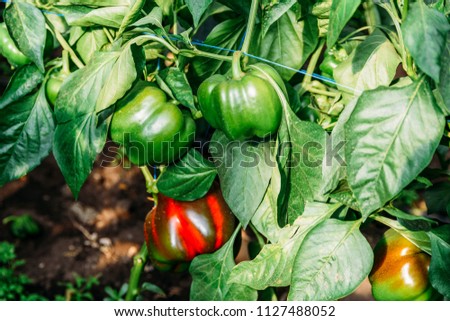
{"points": [[244, 106], [151, 129]]}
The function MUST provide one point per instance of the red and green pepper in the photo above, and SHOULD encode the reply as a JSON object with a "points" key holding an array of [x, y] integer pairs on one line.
{"points": [[177, 231]]}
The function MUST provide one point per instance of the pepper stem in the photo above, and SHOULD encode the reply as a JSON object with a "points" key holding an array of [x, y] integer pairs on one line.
{"points": [[236, 66], [139, 261], [250, 27]]}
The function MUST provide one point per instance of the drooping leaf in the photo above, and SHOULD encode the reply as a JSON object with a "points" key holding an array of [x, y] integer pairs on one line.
{"points": [[333, 260], [273, 265], [410, 221], [334, 163], [26, 25], [245, 169], [421, 239], [372, 64], [189, 179], [26, 135], [425, 32], [122, 76], [106, 16], [132, 15], [154, 18], [273, 11], [288, 42], [340, 13], [79, 137], [383, 128], [440, 259], [210, 274], [444, 78], [177, 82], [437, 198], [96, 3], [23, 82], [198, 8], [226, 34]]}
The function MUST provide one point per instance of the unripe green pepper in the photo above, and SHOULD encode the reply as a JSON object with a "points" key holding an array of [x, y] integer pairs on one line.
{"points": [[246, 105], [9, 50], [53, 85], [400, 270], [151, 129], [177, 231]]}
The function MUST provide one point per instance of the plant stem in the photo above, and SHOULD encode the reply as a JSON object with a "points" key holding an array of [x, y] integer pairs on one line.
{"points": [[236, 66], [200, 53], [311, 66], [65, 62], [405, 9], [371, 14], [139, 261], [150, 182], [354, 33], [108, 35], [250, 26], [321, 92], [66, 46]]}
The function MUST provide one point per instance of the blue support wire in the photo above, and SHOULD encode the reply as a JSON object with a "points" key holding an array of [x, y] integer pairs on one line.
{"points": [[202, 44]]}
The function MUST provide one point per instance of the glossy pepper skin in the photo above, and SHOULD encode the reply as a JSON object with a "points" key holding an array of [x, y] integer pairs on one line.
{"points": [[177, 231], [151, 129], [243, 106], [9, 50], [53, 85], [400, 271]]}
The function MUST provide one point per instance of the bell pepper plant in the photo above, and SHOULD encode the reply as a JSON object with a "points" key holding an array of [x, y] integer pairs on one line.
{"points": [[307, 126]]}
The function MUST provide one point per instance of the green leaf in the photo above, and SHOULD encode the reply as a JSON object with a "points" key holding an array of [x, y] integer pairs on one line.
{"points": [[132, 15], [372, 64], [345, 196], [122, 76], [265, 219], [410, 221], [332, 262], [383, 128], [273, 265], [334, 164], [23, 82], [340, 13], [440, 259], [437, 198], [444, 78], [189, 179], [165, 5], [288, 42], [420, 239], [273, 11], [26, 135], [245, 169], [177, 82], [26, 25], [424, 32], [96, 3], [307, 144], [90, 42], [226, 34], [210, 274], [107, 16], [153, 18], [197, 8], [79, 137]]}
